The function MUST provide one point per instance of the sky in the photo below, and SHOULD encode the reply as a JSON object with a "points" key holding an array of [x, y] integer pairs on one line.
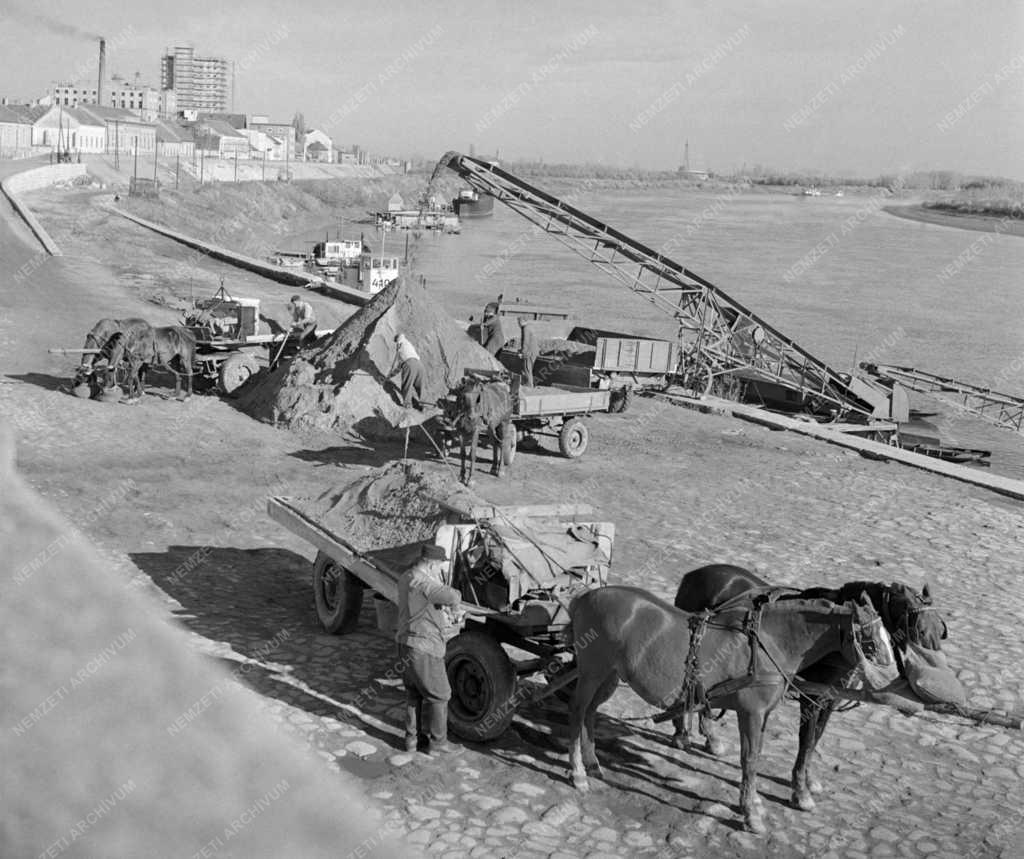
{"points": [[862, 89]]}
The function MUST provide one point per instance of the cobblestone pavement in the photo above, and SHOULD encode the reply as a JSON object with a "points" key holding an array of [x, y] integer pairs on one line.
{"points": [[683, 489]]}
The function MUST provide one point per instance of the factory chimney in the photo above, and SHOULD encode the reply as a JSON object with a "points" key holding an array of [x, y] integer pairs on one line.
{"points": [[103, 71]]}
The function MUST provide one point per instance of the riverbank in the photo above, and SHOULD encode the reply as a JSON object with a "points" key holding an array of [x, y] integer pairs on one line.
{"points": [[961, 221], [683, 489]]}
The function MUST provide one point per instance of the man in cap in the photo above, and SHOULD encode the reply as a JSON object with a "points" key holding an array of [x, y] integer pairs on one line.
{"points": [[492, 337], [408, 360], [303, 319], [425, 623]]}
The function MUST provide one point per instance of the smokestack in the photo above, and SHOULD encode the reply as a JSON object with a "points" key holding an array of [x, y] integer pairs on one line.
{"points": [[103, 71]]}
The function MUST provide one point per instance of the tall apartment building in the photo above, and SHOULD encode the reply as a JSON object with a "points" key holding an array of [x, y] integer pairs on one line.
{"points": [[199, 83]]}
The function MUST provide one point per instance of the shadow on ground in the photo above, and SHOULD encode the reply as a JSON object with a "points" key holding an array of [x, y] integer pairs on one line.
{"points": [[43, 380]]}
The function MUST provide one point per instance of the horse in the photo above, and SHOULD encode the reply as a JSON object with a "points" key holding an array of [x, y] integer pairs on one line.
{"points": [[484, 405], [743, 659], [163, 347], [906, 615], [99, 335]]}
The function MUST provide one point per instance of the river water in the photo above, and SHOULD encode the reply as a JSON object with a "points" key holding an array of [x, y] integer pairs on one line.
{"points": [[839, 276]]}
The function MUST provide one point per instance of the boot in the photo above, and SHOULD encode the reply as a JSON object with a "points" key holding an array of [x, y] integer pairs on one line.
{"points": [[443, 748]]}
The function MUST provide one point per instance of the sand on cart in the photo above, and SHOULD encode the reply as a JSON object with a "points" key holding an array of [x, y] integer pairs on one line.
{"points": [[395, 505]]}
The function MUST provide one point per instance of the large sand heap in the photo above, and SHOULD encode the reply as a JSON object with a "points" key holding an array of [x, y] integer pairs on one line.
{"points": [[340, 383]]}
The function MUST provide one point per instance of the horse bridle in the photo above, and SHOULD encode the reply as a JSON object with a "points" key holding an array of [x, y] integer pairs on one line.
{"points": [[911, 613]]}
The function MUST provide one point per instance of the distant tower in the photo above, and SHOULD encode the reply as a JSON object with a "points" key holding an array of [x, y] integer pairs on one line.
{"points": [[686, 157]]}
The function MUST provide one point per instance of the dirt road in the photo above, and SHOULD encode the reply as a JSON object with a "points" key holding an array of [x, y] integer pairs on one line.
{"points": [[683, 489]]}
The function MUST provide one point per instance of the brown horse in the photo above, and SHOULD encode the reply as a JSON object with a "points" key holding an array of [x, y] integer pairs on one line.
{"points": [[628, 634], [172, 347], [98, 337], [906, 615], [484, 405]]}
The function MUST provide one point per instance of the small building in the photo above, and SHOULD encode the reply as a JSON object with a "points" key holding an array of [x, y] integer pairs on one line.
{"points": [[318, 146], [71, 129], [283, 131], [15, 134], [125, 132], [396, 203], [174, 140], [316, 151], [218, 139]]}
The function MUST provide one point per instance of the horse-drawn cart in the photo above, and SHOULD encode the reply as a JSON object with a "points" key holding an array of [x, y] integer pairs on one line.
{"points": [[516, 567]]}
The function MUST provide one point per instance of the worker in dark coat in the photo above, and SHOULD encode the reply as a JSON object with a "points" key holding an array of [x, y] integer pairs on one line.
{"points": [[426, 621], [492, 336]]}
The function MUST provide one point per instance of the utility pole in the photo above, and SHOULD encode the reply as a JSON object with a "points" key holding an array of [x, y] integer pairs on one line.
{"points": [[156, 161], [177, 171], [264, 165], [135, 169], [236, 164]]}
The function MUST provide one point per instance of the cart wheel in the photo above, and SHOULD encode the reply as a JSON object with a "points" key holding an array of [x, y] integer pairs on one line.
{"points": [[235, 370], [573, 439], [339, 596], [483, 683]]}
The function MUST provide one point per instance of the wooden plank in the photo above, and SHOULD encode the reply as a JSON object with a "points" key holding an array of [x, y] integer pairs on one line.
{"points": [[872, 449]]}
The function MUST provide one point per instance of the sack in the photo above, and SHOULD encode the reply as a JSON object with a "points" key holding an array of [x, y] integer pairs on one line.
{"points": [[875, 677], [930, 676]]}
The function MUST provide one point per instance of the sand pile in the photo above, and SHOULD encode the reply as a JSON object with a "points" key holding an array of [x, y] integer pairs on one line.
{"points": [[396, 505], [341, 382]]}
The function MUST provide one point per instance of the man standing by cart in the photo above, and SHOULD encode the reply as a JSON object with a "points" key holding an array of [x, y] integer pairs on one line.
{"points": [[492, 336], [425, 623]]}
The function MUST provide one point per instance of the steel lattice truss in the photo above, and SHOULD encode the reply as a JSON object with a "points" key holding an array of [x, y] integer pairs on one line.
{"points": [[1003, 410], [718, 335]]}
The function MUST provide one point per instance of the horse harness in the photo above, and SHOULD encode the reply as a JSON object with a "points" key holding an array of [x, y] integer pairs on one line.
{"points": [[693, 695]]}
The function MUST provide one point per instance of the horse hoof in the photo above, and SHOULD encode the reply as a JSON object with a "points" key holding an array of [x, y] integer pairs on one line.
{"points": [[715, 748], [815, 786], [681, 741], [803, 801], [581, 783], [755, 823], [595, 771]]}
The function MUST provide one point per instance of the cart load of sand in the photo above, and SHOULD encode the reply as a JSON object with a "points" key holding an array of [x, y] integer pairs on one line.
{"points": [[390, 511], [341, 383]]}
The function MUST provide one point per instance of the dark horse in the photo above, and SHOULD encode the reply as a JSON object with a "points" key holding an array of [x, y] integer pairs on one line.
{"points": [[173, 348], [99, 336], [484, 405], [906, 615], [628, 634]]}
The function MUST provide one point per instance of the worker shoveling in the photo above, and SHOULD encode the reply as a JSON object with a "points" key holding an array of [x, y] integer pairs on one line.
{"points": [[350, 380]]}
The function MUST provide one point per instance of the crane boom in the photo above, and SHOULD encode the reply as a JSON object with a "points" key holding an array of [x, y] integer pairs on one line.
{"points": [[718, 335]]}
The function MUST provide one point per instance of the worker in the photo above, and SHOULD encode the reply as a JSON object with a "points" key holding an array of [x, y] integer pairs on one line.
{"points": [[427, 618], [492, 336], [303, 319], [407, 360]]}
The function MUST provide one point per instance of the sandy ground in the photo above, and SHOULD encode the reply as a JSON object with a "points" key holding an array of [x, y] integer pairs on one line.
{"points": [[977, 223], [683, 489]]}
